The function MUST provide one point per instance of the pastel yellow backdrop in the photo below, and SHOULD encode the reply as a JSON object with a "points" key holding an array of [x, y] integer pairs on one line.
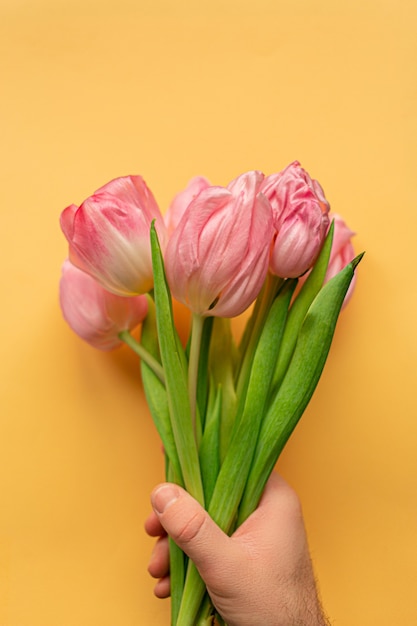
{"points": [[91, 90]]}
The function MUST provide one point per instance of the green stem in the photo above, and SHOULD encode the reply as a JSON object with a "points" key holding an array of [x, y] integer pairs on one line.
{"points": [[176, 377], [256, 323], [177, 560], [206, 615], [194, 357], [137, 347]]}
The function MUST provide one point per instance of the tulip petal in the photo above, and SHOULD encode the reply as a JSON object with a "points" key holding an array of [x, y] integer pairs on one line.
{"points": [[95, 314], [108, 235], [217, 258]]}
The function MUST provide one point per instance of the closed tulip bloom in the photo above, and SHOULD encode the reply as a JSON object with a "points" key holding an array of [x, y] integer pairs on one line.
{"points": [[97, 315], [217, 258], [182, 200], [300, 213], [109, 235]]}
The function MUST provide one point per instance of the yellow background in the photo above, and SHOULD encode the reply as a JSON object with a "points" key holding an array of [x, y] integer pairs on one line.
{"points": [[94, 89]]}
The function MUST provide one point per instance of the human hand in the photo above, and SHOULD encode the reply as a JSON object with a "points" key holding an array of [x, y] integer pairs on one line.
{"points": [[262, 574]]}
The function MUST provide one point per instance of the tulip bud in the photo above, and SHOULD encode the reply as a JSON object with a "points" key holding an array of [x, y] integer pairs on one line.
{"points": [[97, 315], [108, 235], [182, 200], [217, 257], [300, 213]]}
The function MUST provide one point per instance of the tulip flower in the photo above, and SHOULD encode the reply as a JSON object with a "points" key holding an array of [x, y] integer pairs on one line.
{"points": [[182, 200], [97, 315], [300, 213], [108, 235], [217, 258]]}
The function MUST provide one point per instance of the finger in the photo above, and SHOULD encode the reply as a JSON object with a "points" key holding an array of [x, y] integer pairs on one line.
{"points": [[162, 588], [153, 526], [190, 527], [278, 492], [159, 562], [282, 502], [277, 519]]}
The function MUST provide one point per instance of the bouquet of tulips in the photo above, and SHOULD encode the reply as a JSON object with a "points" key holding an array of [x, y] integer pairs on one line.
{"points": [[224, 409]]}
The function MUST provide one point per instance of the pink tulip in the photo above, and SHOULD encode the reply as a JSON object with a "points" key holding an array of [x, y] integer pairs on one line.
{"points": [[97, 315], [109, 235], [300, 212], [217, 257], [182, 200], [342, 252]]}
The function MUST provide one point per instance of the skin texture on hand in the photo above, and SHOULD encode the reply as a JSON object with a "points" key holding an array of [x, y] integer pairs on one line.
{"points": [[262, 574]]}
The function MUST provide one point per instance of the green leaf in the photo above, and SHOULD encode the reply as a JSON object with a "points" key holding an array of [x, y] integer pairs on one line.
{"points": [[174, 365], [156, 394], [300, 307], [222, 362], [177, 567], [209, 448], [247, 347], [299, 383]]}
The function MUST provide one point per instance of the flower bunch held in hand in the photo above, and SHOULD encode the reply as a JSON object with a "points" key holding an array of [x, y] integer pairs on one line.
{"points": [[224, 411]]}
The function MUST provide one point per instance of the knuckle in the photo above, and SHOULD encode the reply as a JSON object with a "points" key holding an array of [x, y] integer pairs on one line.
{"points": [[192, 529]]}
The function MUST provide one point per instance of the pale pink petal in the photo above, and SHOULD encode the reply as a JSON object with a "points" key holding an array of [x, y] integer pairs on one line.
{"points": [[95, 314], [217, 257], [109, 235]]}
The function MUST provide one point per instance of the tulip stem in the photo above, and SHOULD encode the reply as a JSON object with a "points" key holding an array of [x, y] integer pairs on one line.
{"points": [[263, 303], [194, 358], [146, 357]]}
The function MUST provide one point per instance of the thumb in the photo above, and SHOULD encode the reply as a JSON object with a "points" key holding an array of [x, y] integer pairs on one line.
{"points": [[189, 525]]}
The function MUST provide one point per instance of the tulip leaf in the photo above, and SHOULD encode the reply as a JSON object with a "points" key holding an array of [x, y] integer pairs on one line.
{"points": [[209, 448], [173, 362], [299, 383], [247, 347], [156, 394], [222, 363], [177, 567], [300, 307]]}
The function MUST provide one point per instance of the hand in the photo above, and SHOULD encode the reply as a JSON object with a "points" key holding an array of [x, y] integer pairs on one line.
{"points": [[262, 574]]}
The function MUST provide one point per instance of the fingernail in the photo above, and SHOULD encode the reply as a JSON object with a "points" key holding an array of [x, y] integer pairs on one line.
{"points": [[163, 497]]}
